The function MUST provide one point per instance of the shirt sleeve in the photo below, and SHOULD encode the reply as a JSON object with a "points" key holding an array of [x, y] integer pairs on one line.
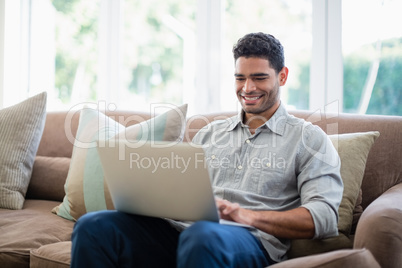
{"points": [[319, 180]]}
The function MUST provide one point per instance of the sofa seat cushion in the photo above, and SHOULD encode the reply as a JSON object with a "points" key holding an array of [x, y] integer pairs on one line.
{"points": [[306, 247], [347, 258], [30, 228], [57, 255]]}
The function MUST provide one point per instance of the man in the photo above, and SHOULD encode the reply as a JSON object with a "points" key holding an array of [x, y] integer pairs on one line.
{"points": [[277, 173]]}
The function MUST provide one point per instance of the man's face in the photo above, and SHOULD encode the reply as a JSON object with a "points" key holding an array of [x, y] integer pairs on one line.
{"points": [[257, 86]]}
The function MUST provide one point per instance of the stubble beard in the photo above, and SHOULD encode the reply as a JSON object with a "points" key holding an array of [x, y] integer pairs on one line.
{"points": [[269, 103]]}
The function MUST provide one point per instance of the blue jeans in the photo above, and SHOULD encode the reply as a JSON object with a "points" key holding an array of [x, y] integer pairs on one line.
{"points": [[116, 239]]}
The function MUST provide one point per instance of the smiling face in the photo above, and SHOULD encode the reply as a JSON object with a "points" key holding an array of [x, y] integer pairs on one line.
{"points": [[257, 86]]}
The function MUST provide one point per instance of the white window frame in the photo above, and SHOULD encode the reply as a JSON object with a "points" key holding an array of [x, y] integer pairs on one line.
{"points": [[110, 47], [209, 41], [14, 70], [326, 73], [2, 34], [326, 69]]}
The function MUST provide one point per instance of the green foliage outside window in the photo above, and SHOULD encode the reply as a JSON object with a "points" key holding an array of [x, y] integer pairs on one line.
{"points": [[155, 49], [386, 97], [76, 45]]}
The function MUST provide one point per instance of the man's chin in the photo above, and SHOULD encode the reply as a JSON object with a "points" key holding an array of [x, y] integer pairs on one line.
{"points": [[252, 110], [256, 110]]}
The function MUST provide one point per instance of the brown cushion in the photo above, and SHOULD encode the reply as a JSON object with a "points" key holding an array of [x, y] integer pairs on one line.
{"points": [[348, 258], [48, 177], [30, 228], [56, 255]]}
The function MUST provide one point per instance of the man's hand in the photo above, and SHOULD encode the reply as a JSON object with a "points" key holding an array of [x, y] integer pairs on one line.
{"points": [[233, 212], [292, 224]]}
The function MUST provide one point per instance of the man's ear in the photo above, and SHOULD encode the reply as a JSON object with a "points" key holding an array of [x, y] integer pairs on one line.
{"points": [[283, 76]]}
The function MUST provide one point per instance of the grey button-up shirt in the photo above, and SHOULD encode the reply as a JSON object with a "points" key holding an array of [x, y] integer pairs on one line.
{"points": [[286, 164]]}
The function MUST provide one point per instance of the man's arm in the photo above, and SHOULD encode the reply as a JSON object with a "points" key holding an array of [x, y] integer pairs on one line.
{"points": [[293, 224]]}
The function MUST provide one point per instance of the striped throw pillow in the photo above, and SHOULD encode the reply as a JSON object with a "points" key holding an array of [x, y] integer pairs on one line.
{"points": [[21, 128], [85, 187]]}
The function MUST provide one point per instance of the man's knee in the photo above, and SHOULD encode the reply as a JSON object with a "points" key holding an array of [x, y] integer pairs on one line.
{"points": [[201, 235], [92, 223]]}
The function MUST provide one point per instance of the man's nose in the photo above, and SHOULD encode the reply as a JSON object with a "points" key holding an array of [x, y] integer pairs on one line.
{"points": [[249, 86]]}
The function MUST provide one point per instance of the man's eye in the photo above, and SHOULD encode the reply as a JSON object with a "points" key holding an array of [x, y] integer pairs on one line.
{"points": [[261, 78]]}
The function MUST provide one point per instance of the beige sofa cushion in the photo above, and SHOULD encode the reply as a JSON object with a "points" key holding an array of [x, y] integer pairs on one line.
{"points": [[307, 247], [351, 258], [56, 255], [30, 228], [85, 188], [21, 128]]}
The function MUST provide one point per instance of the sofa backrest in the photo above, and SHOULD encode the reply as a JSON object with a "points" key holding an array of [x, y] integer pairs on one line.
{"points": [[383, 168], [61, 128]]}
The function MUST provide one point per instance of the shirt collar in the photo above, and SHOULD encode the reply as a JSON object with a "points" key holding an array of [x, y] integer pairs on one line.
{"points": [[235, 121], [278, 120], [276, 123]]}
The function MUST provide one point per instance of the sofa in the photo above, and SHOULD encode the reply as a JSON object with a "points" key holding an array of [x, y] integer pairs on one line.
{"points": [[35, 236]]}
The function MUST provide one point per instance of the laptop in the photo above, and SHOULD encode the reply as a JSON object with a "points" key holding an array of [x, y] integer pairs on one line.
{"points": [[163, 179]]}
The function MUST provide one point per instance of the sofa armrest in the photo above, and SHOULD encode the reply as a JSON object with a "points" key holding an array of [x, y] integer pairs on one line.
{"points": [[380, 228], [346, 258]]}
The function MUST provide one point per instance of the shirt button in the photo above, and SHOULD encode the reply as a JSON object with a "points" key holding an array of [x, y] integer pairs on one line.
{"points": [[268, 164], [213, 156], [247, 141], [239, 167]]}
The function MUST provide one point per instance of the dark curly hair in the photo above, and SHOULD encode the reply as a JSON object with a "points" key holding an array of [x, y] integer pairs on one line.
{"points": [[261, 45]]}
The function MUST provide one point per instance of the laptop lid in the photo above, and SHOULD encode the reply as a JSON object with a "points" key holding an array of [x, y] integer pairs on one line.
{"points": [[167, 180]]}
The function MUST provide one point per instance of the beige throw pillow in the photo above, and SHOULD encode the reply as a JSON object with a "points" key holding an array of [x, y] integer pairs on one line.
{"points": [[21, 128], [353, 150]]}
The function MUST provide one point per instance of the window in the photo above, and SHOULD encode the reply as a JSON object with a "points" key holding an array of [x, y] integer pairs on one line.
{"points": [[372, 53], [290, 22], [76, 49], [133, 53], [158, 52]]}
